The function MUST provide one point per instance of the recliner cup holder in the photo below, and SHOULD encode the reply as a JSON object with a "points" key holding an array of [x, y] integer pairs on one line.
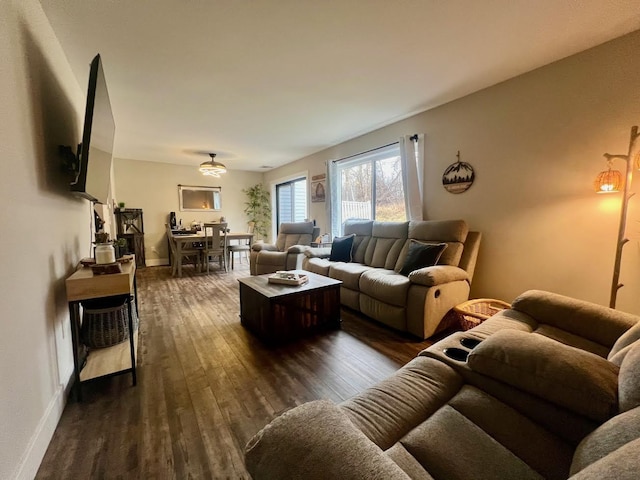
{"points": [[469, 342], [456, 353]]}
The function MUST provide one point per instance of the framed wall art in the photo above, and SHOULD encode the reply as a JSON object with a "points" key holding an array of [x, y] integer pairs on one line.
{"points": [[458, 176], [318, 188]]}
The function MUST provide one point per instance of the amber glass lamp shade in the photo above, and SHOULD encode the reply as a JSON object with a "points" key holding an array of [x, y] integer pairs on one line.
{"points": [[609, 181]]}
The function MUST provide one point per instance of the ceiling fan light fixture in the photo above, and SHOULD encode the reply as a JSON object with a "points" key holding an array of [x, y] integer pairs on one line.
{"points": [[212, 168]]}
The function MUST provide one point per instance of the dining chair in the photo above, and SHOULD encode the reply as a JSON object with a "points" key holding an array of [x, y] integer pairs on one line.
{"points": [[243, 246], [187, 255], [215, 244]]}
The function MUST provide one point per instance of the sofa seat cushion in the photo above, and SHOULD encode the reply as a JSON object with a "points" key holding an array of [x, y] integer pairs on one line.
{"points": [[543, 451], [389, 410], [450, 446], [317, 265], [385, 285], [349, 273], [569, 377], [572, 340]]}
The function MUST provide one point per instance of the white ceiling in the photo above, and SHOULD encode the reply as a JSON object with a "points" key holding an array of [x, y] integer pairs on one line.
{"points": [[265, 82]]}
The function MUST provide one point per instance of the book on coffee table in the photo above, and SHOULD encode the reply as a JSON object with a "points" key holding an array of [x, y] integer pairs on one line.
{"points": [[288, 278]]}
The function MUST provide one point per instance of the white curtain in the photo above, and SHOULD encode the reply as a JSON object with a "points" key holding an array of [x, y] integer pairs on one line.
{"points": [[412, 160], [332, 199]]}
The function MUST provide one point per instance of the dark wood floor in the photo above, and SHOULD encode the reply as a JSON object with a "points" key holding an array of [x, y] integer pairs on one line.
{"points": [[206, 385]]}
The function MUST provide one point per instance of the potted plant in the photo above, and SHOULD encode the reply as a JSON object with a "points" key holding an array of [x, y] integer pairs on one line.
{"points": [[258, 209], [122, 247]]}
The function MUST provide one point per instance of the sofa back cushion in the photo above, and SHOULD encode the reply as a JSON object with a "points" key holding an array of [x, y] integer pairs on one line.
{"points": [[566, 376], [608, 437], [623, 344], [629, 379], [451, 232], [298, 233], [387, 241], [362, 231]]}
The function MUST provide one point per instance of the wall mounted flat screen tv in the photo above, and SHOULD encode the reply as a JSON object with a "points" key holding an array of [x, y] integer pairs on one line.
{"points": [[93, 177]]}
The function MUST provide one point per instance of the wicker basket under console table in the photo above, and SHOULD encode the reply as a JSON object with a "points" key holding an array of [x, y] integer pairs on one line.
{"points": [[115, 360], [277, 313]]}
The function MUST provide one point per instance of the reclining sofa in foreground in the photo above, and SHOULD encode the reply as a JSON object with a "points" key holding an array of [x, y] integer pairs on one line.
{"points": [[549, 389], [373, 282]]}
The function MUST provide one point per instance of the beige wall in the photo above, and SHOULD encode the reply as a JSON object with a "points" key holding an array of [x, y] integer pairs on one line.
{"points": [[153, 187], [45, 231], [536, 144]]}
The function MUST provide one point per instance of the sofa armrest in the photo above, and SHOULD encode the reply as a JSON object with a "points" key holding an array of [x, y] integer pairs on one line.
{"points": [[437, 275], [589, 320], [259, 247], [316, 441], [298, 249], [318, 252], [566, 376]]}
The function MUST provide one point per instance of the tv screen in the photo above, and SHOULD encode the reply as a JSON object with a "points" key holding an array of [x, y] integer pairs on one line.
{"points": [[93, 178]]}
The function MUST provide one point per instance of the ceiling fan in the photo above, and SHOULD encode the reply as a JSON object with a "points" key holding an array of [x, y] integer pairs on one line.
{"points": [[213, 167]]}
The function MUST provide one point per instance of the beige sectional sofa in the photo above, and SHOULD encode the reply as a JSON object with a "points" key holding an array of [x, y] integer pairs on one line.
{"points": [[551, 391], [373, 285]]}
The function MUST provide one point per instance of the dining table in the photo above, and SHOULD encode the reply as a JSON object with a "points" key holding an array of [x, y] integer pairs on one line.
{"points": [[183, 239]]}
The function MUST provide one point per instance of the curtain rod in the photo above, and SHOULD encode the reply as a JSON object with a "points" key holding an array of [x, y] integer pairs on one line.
{"points": [[413, 138], [365, 152]]}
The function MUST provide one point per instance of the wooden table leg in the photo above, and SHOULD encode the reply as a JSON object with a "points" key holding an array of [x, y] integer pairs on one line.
{"points": [[179, 257]]}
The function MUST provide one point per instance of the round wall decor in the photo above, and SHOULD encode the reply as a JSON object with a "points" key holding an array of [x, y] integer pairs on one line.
{"points": [[458, 177]]}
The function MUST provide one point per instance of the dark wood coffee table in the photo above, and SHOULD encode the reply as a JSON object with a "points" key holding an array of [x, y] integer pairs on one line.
{"points": [[277, 313]]}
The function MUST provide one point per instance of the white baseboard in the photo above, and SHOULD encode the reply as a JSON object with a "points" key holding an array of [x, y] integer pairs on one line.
{"points": [[39, 442], [156, 262]]}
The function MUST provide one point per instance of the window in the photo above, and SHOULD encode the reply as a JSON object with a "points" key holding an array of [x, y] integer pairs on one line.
{"points": [[291, 201], [369, 186]]}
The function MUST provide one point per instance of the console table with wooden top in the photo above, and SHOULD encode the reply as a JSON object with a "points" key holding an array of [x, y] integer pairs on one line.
{"points": [[115, 360]]}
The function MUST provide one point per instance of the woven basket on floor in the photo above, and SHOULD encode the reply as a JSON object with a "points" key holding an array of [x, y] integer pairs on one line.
{"points": [[474, 312], [105, 327]]}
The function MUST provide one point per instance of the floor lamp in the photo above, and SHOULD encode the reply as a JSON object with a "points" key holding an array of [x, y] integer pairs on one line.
{"points": [[610, 181]]}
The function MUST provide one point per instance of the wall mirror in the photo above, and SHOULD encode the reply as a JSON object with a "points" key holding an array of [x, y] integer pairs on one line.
{"points": [[199, 199]]}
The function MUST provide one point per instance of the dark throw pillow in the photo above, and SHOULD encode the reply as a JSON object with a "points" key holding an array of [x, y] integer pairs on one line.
{"points": [[341, 249], [421, 255]]}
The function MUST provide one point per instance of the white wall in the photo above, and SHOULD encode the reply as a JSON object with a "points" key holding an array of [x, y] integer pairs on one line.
{"points": [[45, 231], [536, 144], [153, 187]]}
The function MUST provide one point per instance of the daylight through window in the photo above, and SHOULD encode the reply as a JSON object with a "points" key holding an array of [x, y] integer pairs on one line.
{"points": [[291, 198], [369, 186]]}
